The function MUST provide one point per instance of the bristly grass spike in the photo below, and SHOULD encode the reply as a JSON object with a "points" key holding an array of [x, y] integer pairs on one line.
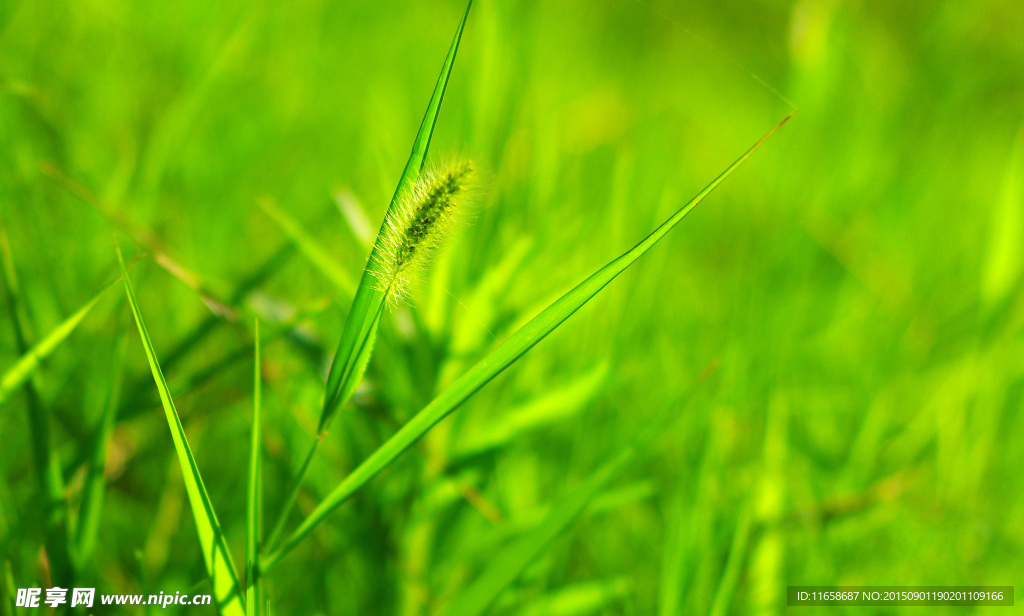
{"points": [[424, 216]]}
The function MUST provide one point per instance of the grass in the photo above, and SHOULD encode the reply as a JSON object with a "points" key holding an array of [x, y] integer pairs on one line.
{"points": [[408, 232], [509, 438], [227, 593], [493, 364]]}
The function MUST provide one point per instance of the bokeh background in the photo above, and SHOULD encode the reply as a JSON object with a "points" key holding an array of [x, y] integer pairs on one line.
{"points": [[852, 295]]}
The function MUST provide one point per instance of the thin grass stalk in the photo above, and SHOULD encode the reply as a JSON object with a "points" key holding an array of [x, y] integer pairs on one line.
{"points": [[254, 498]]}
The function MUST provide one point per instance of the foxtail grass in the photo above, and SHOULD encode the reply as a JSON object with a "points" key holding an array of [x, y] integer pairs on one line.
{"points": [[413, 231]]}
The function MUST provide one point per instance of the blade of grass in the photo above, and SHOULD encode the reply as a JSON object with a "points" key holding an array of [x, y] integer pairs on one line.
{"points": [[361, 324], [554, 405], [354, 214], [289, 502], [673, 561], [496, 361], [145, 238], [254, 500], [733, 566], [249, 284], [134, 403], [16, 376], [9, 594], [55, 507], [318, 257], [201, 377], [580, 599], [191, 383], [1003, 265], [95, 479], [216, 554]]}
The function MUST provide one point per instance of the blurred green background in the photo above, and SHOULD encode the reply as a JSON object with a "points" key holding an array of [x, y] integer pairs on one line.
{"points": [[852, 294]]}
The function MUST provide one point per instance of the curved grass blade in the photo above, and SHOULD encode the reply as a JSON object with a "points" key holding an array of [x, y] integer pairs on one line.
{"points": [[46, 458], [216, 554], [496, 361], [254, 500], [552, 406], [361, 325], [16, 376], [95, 479]]}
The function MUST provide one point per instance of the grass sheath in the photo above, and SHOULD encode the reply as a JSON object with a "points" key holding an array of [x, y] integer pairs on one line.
{"points": [[495, 362]]}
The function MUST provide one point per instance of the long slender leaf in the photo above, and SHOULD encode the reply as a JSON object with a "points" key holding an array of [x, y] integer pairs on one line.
{"points": [[216, 554], [554, 405], [254, 499], [592, 597], [45, 455], [361, 325], [95, 479], [733, 566], [9, 591], [15, 376], [312, 249], [496, 361]]}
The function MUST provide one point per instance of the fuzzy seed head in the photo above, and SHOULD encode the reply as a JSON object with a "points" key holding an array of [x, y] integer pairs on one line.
{"points": [[422, 218]]}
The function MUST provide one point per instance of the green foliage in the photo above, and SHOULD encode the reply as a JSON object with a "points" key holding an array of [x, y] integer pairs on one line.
{"points": [[495, 362], [856, 288]]}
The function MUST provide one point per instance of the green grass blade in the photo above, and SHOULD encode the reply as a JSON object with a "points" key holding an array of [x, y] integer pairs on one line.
{"points": [[361, 325], [673, 561], [95, 479], [581, 599], [253, 503], [289, 501], [733, 566], [318, 257], [1004, 264], [216, 554], [46, 459], [555, 405], [16, 376], [9, 591], [495, 362]]}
